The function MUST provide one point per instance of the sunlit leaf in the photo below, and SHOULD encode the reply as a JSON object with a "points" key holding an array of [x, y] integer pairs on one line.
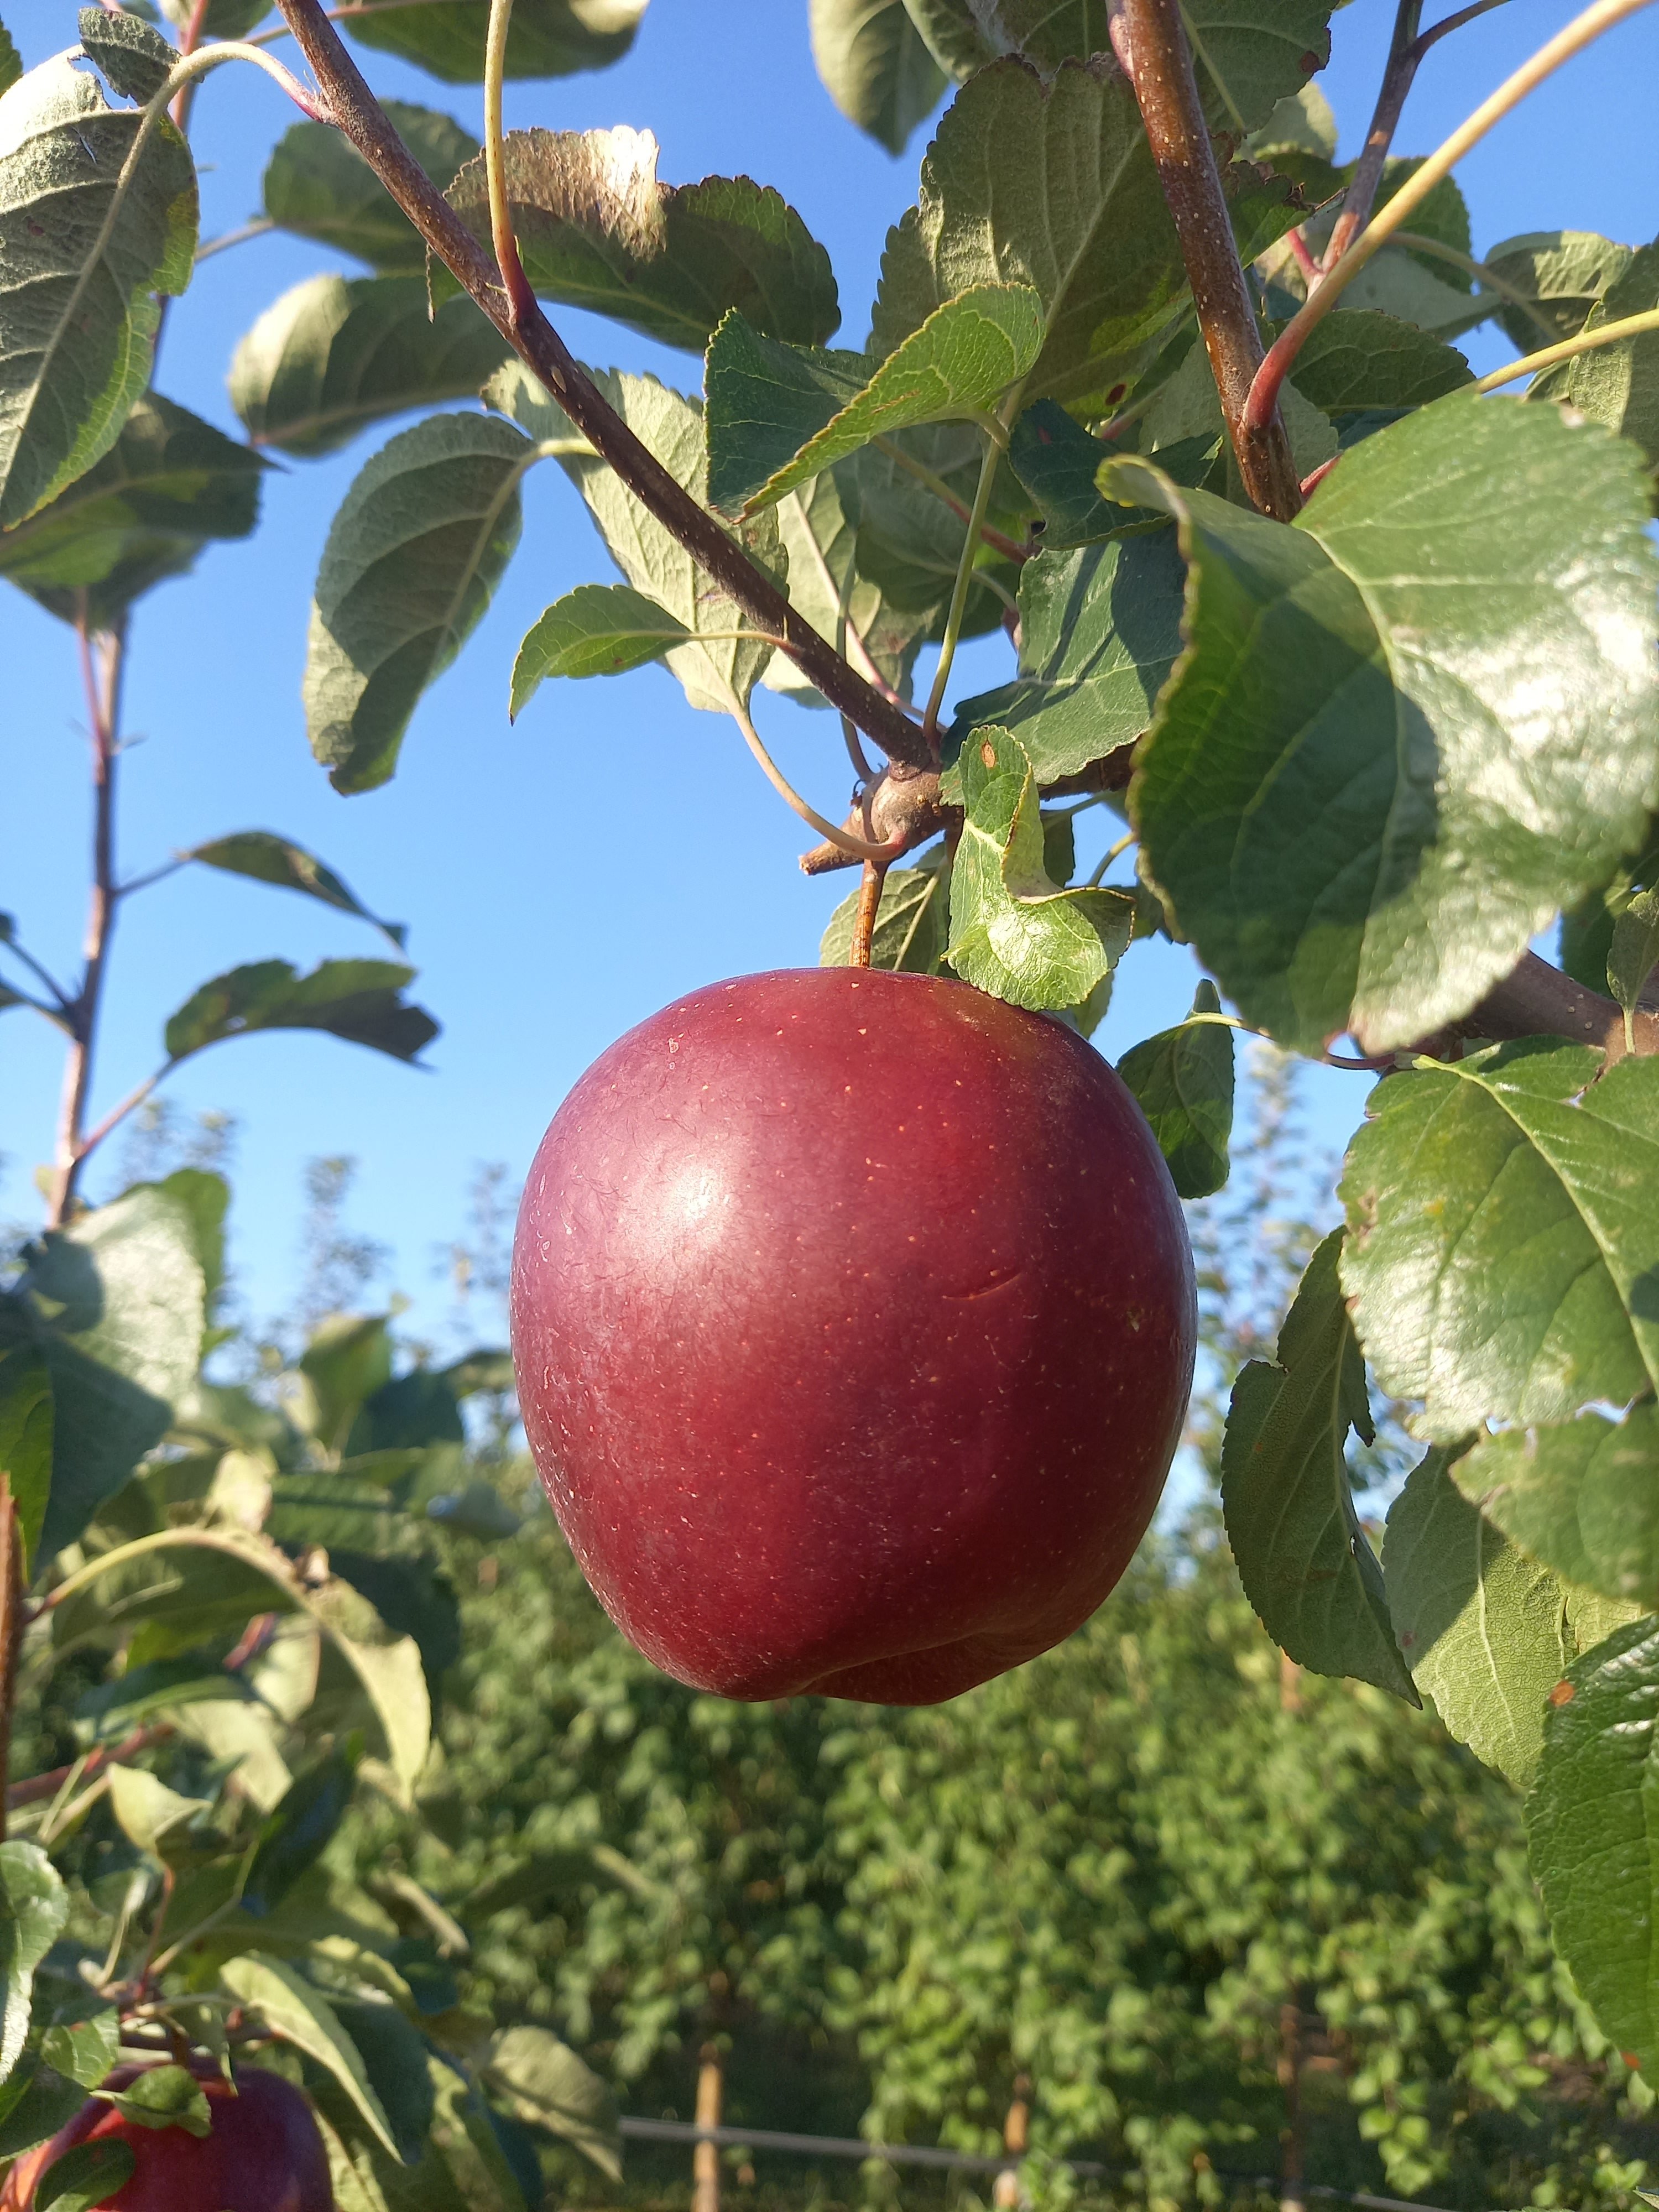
{"points": [[1182, 1080], [360, 1001], [598, 629], [876, 66], [1582, 1498]]}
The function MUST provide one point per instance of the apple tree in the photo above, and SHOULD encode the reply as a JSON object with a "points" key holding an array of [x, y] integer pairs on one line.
{"points": [[1362, 656]]}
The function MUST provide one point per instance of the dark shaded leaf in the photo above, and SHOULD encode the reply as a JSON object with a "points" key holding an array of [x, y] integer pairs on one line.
{"points": [[34, 1908], [393, 2057], [268, 859], [913, 921], [136, 61], [298, 2013], [26, 1439], [1355, 362], [413, 558], [876, 66], [596, 230], [297, 1831], [1583, 1498], [334, 356], [86, 2175], [165, 2097], [318, 185], [112, 1710], [347, 1360], [81, 307], [1182, 1080], [764, 400], [414, 1598], [361, 1001], [1563, 272], [547, 38], [169, 486]]}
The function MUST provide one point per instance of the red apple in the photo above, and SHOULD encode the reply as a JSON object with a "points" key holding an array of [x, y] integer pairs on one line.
{"points": [[853, 1320], [265, 2153]]}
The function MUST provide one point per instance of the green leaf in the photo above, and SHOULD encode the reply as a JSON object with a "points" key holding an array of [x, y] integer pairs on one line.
{"points": [[1249, 57], [1581, 1499], [1014, 931], [136, 61], [542, 2083], [364, 1664], [548, 38], [221, 19], [722, 668], [1058, 462], [84, 2049], [296, 2013], [909, 541], [1616, 385], [414, 1410], [1586, 929], [913, 921], [1563, 272], [112, 1710], [954, 368], [598, 629], [1447, 694], [1357, 364], [11, 62], [177, 1590], [1306, 1563], [394, 2061], [1591, 1832], [170, 485], [333, 356], [1188, 407], [34, 1910], [765, 400], [413, 558], [116, 1305], [268, 859], [92, 227], [875, 66], [318, 185], [33, 2114], [414, 1598], [347, 1360], [297, 1830], [165, 2096], [1182, 1080], [596, 230], [148, 1814], [1483, 1629], [819, 527], [25, 1434], [478, 1511], [1051, 186], [1502, 1260], [86, 2175], [1633, 952], [360, 1001], [1100, 631]]}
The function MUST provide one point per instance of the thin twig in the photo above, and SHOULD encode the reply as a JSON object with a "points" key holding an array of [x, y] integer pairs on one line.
{"points": [[42, 975], [1442, 29], [855, 752], [353, 107], [1167, 90], [1579, 33], [256, 228], [1628, 326], [856, 848], [521, 300], [1398, 72], [998, 540], [958, 607]]}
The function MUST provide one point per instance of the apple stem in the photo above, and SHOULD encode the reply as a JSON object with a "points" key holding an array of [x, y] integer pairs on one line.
{"points": [[864, 921]]}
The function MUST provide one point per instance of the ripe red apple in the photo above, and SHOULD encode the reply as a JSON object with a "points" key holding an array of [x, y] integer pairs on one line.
{"points": [[853, 1320], [265, 2153]]}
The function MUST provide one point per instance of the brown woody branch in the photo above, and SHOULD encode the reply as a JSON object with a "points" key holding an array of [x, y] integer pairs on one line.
{"points": [[1405, 52], [1161, 70], [355, 112], [1538, 1000]]}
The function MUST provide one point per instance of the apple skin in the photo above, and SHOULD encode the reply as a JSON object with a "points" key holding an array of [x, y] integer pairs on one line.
{"points": [[854, 1319], [265, 2153]]}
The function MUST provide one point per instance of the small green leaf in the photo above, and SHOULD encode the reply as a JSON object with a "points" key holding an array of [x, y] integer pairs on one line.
{"points": [[765, 400], [334, 356], [1182, 1080], [413, 558], [1306, 1563], [296, 2013], [875, 66], [1582, 1498], [34, 2112], [1100, 631], [92, 229], [170, 485], [84, 2050], [720, 664], [347, 1360], [1503, 1246], [297, 1831], [268, 859], [361, 1001], [385, 1671], [547, 38], [318, 186], [136, 61], [596, 230], [1376, 667], [1014, 931], [543, 2083], [220, 19], [1593, 1833], [1633, 952], [819, 527], [913, 921], [1357, 362], [1563, 272], [1058, 461], [598, 629], [954, 368], [148, 1814], [86, 2175], [1483, 1628], [34, 1908], [25, 1430], [1587, 928], [165, 2096]]}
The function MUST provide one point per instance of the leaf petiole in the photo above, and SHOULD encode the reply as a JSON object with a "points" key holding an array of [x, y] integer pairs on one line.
{"points": [[1628, 326]]}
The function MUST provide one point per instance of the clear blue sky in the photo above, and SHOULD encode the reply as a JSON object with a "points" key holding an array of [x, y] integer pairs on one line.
{"points": [[564, 878]]}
